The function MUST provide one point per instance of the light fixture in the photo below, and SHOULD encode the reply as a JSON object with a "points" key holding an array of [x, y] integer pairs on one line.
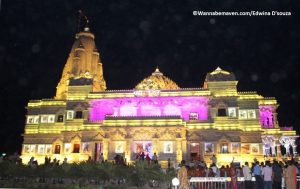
{"points": [[175, 181]]}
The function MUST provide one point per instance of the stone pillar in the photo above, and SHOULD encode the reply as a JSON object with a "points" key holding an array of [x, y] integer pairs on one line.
{"points": [[278, 150], [188, 149], [127, 153], [261, 149], [105, 148], [213, 113], [178, 151], [202, 150], [275, 121], [216, 148], [155, 146]]}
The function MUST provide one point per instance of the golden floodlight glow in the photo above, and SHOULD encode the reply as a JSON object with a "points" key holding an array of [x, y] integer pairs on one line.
{"points": [[37, 103], [157, 116], [267, 102]]}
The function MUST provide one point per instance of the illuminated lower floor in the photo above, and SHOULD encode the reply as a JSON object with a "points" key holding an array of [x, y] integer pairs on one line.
{"points": [[168, 143]]}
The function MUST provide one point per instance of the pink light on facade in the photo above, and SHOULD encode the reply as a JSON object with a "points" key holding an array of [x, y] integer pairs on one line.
{"points": [[172, 110], [149, 106], [266, 116], [127, 110], [149, 110]]}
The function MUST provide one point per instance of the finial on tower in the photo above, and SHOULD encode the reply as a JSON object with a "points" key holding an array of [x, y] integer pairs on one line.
{"points": [[219, 71], [157, 72], [82, 15]]}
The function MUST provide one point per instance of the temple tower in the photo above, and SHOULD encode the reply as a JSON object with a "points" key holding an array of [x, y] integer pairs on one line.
{"points": [[83, 67]]}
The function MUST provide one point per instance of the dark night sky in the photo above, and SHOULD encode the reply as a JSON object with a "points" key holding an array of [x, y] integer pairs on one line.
{"points": [[135, 36]]}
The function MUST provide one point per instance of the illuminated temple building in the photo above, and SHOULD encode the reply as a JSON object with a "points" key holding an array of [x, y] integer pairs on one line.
{"points": [[156, 116]]}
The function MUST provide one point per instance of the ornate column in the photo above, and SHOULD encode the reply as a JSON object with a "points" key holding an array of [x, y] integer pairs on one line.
{"points": [[155, 146], [188, 154], [105, 148], [127, 150], [212, 112], [178, 151], [278, 150]]}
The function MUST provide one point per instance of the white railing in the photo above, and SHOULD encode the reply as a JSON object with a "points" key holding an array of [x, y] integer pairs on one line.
{"points": [[216, 182], [209, 182], [223, 182]]}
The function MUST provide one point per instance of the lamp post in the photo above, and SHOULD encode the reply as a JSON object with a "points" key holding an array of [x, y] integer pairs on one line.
{"points": [[175, 182]]}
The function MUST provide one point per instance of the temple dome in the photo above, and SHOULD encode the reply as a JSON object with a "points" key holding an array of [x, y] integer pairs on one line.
{"points": [[219, 75], [157, 81]]}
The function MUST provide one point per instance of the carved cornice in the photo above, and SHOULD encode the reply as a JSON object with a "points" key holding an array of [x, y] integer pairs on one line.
{"points": [[117, 134], [142, 134], [76, 137], [98, 137]]}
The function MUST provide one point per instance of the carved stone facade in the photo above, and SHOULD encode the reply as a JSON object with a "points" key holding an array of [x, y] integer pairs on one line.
{"points": [[85, 120]]}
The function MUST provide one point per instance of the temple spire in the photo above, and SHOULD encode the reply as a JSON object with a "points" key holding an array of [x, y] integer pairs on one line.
{"points": [[83, 66]]}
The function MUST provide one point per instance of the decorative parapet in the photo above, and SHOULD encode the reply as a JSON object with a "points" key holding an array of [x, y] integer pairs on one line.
{"points": [[268, 101], [45, 102], [279, 132], [145, 122], [109, 117], [203, 125], [249, 95], [134, 93]]}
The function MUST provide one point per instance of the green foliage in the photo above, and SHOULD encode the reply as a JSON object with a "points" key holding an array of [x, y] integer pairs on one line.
{"points": [[170, 174], [4, 167], [76, 171], [82, 175], [142, 172]]}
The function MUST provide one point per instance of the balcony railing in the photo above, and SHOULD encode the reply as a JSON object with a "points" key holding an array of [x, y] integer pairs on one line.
{"points": [[140, 117]]}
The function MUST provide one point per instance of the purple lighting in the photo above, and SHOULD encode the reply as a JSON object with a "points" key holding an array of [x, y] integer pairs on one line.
{"points": [[149, 106], [266, 116]]}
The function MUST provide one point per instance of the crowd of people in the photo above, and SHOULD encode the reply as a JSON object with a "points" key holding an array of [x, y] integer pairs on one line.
{"points": [[146, 156], [268, 175]]}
